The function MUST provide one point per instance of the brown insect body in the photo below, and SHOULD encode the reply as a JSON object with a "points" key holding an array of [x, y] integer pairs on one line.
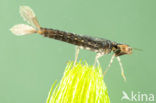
{"points": [[99, 45], [94, 44]]}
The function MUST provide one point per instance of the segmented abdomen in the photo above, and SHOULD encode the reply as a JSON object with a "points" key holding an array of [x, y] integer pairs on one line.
{"points": [[93, 44]]}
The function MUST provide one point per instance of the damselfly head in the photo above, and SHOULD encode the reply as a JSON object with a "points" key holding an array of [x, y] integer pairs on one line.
{"points": [[122, 49]]}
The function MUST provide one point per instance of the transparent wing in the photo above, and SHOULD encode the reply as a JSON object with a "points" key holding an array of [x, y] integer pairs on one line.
{"points": [[29, 16], [22, 29]]}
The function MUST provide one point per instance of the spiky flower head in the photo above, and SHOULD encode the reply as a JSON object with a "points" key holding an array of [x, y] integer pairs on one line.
{"points": [[81, 83]]}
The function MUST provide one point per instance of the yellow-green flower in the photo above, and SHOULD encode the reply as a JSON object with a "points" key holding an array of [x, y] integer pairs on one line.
{"points": [[80, 84]]}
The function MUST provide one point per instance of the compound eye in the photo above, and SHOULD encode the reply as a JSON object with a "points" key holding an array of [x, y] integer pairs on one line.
{"points": [[129, 49]]}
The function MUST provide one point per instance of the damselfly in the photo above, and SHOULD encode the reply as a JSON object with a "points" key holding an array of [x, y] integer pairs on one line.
{"points": [[99, 45]]}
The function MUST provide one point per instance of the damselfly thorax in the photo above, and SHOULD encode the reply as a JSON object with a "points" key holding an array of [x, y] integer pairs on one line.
{"points": [[99, 45]]}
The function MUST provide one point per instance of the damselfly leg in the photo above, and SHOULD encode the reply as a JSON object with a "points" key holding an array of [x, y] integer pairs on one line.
{"points": [[110, 63], [98, 55], [122, 70], [76, 54]]}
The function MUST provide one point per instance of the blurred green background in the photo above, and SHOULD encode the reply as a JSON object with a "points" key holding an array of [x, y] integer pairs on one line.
{"points": [[30, 64]]}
